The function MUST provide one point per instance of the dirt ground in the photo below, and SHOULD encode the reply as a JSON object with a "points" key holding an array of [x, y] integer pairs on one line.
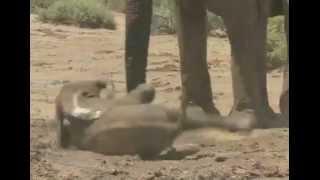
{"points": [[65, 53]]}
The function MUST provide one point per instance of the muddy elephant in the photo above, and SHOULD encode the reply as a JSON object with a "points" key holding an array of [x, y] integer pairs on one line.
{"points": [[246, 24]]}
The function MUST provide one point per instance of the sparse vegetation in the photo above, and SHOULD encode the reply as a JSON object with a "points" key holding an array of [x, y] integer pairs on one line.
{"points": [[40, 4], [215, 22], [95, 14], [163, 20], [276, 43], [85, 13], [116, 5]]}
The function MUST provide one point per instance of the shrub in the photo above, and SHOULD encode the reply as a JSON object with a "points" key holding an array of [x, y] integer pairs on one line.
{"points": [[41, 4], [85, 13], [163, 20], [58, 12], [215, 22], [116, 5], [276, 43], [93, 14]]}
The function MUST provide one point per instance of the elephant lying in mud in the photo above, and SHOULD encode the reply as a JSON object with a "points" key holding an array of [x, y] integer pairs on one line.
{"points": [[246, 24], [124, 125]]}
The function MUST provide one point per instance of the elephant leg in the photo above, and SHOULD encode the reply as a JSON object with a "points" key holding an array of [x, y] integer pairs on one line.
{"points": [[192, 38], [246, 25], [284, 98], [138, 21]]}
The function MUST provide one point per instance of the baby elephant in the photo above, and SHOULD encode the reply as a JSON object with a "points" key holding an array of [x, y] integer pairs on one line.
{"points": [[126, 125]]}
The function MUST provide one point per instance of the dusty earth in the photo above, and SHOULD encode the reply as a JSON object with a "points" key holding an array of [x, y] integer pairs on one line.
{"points": [[64, 53]]}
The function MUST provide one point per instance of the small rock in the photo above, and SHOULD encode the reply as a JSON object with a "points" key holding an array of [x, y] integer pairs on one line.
{"points": [[221, 159], [115, 172], [238, 170], [126, 162], [158, 174], [257, 165], [199, 156]]}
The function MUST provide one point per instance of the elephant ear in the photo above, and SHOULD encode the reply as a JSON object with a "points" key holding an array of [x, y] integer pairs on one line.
{"points": [[276, 8]]}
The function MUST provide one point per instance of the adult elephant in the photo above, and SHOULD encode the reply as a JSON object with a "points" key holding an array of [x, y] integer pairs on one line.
{"points": [[246, 24]]}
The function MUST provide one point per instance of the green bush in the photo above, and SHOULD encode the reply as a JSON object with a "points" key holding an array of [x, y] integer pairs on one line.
{"points": [[276, 43], [59, 12], [163, 20], [116, 5], [40, 4], [85, 13], [215, 22]]}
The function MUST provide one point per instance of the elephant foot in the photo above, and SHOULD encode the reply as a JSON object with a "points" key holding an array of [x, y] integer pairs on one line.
{"points": [[274, 120], [197, 117], [241, 120], [247, 119]]}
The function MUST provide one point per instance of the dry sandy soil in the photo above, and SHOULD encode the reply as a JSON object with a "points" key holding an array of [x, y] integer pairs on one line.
{"points": [[64, 53]]}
